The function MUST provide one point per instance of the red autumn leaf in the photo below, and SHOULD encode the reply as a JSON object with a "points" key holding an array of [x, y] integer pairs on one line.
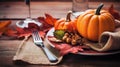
{"points": [[1, 33], [66, 48], [11, 32], [22, 32], [31, 27], [45, 25], [114, 12], [42, 34], [24, 35], [73, 50], [49, 19]]}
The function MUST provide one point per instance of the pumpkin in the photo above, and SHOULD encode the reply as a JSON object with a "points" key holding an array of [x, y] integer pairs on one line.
{"points": [[66, 23], [93, 22]]}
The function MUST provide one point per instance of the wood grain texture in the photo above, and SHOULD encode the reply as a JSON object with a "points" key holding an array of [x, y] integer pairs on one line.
{"points": [[20, 10], [58, 9]]}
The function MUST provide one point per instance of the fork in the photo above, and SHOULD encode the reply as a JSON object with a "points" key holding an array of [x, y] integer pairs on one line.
{"points": [[38, 41]]}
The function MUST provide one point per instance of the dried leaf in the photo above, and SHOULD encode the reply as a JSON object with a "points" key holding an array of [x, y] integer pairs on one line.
{"points": [[32, 26], [49, 19], [1, 33], [114, 12], [11, 32], [4, 24], [45, 25], [22, 32], [66, 48]]}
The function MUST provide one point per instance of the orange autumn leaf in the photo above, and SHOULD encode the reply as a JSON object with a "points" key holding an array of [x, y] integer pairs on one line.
{"points": [[4, 25], [49, 19]]}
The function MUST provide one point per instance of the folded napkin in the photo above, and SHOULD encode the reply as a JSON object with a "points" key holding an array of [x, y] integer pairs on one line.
{"points": [[30, 53], [108, 40]]}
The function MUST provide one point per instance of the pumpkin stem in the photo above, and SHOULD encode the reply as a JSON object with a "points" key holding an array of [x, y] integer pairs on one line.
{"points": [[98, 9], [68, 19]]}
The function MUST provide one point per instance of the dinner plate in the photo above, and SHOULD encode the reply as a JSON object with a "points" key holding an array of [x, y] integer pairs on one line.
{"points": [[89, 52]]}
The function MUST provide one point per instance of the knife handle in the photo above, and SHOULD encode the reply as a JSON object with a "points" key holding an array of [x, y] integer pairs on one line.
{"points": [[51, 57]]}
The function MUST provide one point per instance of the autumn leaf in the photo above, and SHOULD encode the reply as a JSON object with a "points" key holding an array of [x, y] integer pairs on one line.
{"points": [[4, 26], [11, 32], [22, 32], [114, 12], [45, 25], [49, 19]]}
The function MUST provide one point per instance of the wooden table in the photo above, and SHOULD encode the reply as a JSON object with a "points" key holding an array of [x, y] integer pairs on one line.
{"points": [[7, 51], [18, 10]]}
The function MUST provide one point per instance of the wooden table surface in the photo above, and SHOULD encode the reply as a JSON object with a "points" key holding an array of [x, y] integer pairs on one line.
{"points": [[8, 47], [18, 10]]}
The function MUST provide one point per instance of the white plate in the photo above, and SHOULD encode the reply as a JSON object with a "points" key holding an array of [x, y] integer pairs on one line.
{"points": [[93, 53]]}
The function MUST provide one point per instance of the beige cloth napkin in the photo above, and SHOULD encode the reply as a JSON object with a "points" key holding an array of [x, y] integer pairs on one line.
{"points": [[108, 40], [30, 53]]}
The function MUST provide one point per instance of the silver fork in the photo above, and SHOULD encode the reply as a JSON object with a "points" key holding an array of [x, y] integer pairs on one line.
{"points": [[38, 41]]}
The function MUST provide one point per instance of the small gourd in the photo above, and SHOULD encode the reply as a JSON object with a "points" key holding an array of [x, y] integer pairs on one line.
{"points": [[66, 24]]}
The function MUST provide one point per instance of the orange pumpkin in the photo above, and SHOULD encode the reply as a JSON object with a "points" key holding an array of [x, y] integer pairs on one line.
{"points": [[66, 24], [92, 23]]}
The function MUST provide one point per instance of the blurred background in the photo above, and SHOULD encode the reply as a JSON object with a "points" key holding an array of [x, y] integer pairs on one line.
{"points": [[17, 9]]}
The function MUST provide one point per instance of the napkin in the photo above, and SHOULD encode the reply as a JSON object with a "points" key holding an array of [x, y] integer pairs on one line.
{"points": [[32, 54], [108, 40]]}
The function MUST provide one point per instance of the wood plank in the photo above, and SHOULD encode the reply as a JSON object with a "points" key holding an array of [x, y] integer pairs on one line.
{"points": [[9, 47], [35, 0], [106, 4], [19, 10]]}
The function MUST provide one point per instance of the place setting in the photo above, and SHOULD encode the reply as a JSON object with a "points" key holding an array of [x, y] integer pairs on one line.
{"points": [[106, 44]]}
